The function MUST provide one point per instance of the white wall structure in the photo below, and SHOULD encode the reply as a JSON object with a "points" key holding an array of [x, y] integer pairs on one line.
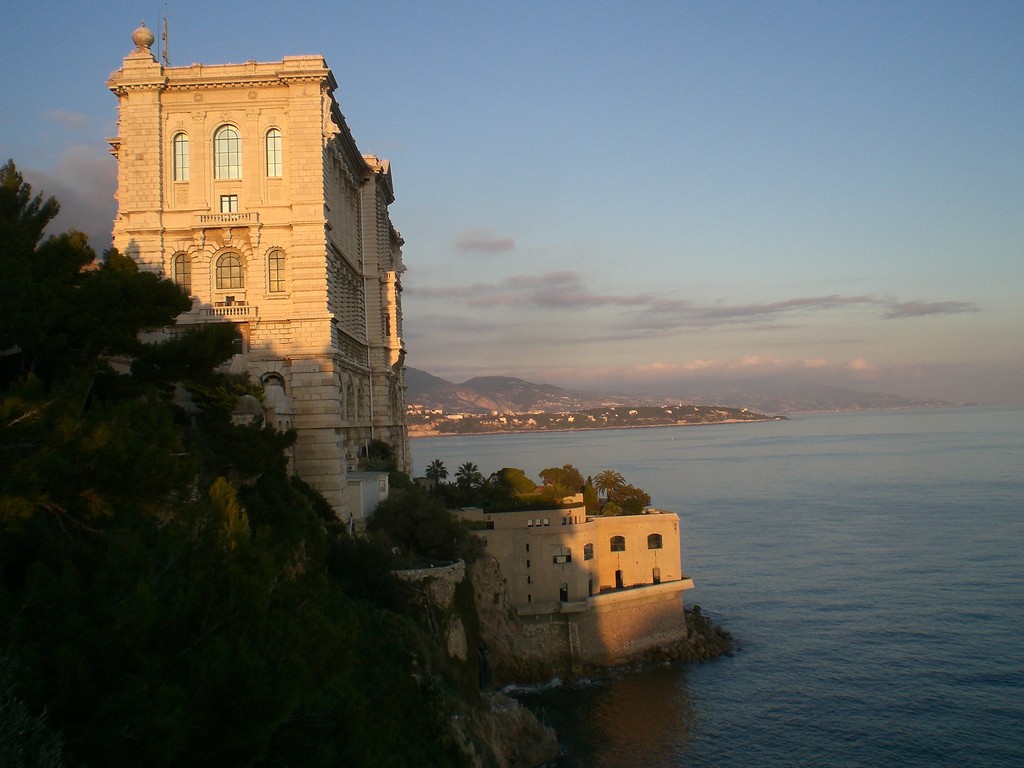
{"points": [[243, 184]]}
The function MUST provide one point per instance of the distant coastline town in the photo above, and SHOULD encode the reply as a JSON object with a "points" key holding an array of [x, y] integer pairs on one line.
{"points": [[435, 422]]}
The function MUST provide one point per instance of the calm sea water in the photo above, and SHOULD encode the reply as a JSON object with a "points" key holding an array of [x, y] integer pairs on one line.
{"points": [[870, 565]]}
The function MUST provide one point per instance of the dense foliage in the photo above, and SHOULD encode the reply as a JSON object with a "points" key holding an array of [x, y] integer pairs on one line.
{"points": [[168, 596], [511, 489]]}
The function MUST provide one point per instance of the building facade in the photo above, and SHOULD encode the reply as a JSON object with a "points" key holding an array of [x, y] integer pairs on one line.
{"points": [[588, 590], [243, 184]]}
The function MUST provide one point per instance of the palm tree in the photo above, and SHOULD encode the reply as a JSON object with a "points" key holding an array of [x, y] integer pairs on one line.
{"points": [[437, 471], [608, 481], [468, 476]]}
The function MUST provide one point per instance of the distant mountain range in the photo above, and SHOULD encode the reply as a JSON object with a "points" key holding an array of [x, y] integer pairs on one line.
{"points": [[507, 394]]}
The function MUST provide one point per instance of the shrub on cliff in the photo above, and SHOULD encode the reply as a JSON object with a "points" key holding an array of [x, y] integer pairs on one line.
{"points": [[421, 528]]}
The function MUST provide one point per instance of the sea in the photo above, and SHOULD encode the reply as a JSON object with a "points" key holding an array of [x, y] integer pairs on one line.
{"points": [[869, 565]]}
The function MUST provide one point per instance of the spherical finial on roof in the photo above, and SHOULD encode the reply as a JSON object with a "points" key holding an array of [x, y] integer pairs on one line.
{"points": [[142, 37]]}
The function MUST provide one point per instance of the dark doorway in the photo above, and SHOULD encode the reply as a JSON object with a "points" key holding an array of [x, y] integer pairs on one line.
{"points": [[618, 580]]}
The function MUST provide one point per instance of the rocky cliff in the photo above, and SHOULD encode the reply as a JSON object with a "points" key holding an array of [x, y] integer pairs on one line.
{"points": [[492, 730]]}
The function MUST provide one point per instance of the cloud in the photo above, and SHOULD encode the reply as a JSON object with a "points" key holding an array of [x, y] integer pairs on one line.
{"points": [[921, 308], [552, 290], [645, 314], [675, 314], [84, 182], [861, 364], [483, 241], [70, 121]]}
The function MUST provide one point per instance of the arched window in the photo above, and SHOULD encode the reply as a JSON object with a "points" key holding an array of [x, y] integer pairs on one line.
{"points": [[227, 153], [180, 145], [181, 272], [273, 380], [275, 271], [229, 272], [274, 153], [654, 541], [588, 551], [618, 543]]}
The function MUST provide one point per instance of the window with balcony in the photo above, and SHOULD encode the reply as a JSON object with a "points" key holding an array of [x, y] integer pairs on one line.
{"points": [[227, 153], [180, 161], [274, 153], [229, 203], [229, 273], [275, 270]]}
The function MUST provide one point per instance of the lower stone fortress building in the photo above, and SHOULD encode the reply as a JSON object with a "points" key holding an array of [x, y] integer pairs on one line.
{"points": [[586, 590], [243, 184]]}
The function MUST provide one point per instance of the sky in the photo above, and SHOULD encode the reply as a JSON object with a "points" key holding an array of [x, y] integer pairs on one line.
{"points": [[631, 195]]}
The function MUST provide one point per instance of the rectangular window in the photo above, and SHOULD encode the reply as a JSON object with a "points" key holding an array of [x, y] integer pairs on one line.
{"points": [[274, 153], [229, 203], [275, 268], [227, 154], [561, 555], [180, 157]]}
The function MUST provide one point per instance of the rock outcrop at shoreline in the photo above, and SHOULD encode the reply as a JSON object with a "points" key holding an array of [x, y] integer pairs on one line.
{"points": [[479, 644], [704, 641]]}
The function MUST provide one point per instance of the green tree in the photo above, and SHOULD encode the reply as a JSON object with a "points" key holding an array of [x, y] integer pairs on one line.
{"points": [[516, 480], [590, 499], [608, 481], [468, 476], [380, 456], [631, 499], [170, 595], [437, 471], [567, 475], [421, 527]]}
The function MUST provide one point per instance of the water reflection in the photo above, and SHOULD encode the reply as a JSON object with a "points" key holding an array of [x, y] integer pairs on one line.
{"points": [[639, 717]]}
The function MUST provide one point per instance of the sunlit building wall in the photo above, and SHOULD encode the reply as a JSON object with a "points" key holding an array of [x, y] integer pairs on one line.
{"points": [[243, 184]]}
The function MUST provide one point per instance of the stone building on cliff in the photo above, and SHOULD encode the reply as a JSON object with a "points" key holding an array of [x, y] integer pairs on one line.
{"points": [[587, 590], [243, 184]]}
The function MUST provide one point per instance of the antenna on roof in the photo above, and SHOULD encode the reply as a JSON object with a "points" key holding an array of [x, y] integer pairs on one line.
{"points": [[163, 37]]}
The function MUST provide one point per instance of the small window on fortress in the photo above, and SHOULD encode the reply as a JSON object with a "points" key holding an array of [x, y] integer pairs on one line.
{"points": [[588, 551], [227, 153], [618, 543], [182, 272], [180, 144], [274, 153], [229, 272], [275, 268], [654, 541], [561, 555], [529, 523]]}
